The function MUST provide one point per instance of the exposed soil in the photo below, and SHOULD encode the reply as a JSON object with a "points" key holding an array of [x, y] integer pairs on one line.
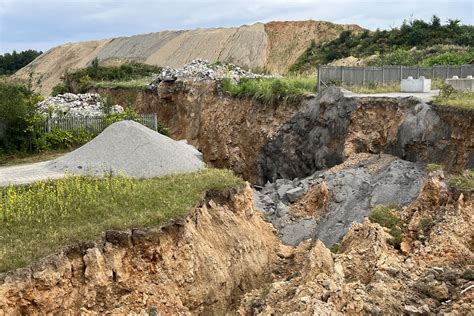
{"points": [[274, 46], [201, 264]]}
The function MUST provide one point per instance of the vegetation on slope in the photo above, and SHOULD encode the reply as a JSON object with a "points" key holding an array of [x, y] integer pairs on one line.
{"points": [[450, 97], [47, 216], [271, 90], [464, 181], [10, 63], [385, 216], [398, 41], [131, 75]]}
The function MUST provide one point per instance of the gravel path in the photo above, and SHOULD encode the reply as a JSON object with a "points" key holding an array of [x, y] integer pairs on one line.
{"points": [[27, 173]]}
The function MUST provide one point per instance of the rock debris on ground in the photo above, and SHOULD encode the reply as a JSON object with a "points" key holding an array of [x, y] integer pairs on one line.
{"points": [[200, 69], [70, 104]]}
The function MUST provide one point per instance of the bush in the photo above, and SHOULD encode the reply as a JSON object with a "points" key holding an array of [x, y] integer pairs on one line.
{"points": [[383, 215], [62, 139], [60, 88], [21, 123], [397, 237], [464, 181], [84, 79]]}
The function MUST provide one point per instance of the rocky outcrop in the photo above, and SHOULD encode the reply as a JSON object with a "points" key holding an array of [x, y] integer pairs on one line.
{"points": [[369, 277], [274, 46], [200, 264], [330, 201], [333, 126]]}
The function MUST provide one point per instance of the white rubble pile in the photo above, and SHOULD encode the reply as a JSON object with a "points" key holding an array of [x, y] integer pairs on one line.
{"points": [[70, 104], [200, 69]]}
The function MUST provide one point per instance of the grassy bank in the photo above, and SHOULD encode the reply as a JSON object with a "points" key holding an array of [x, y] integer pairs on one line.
{"points": [[270, 90], [463, 100], [46, 216]]}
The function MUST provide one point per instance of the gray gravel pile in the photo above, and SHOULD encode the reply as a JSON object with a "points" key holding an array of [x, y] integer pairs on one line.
{"points": [[132, 149], [70, 104], [353, 192], [200, 69]]}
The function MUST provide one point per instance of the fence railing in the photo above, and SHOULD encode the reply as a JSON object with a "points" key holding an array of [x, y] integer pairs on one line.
{"points": [[94, 124], [386, 74]]}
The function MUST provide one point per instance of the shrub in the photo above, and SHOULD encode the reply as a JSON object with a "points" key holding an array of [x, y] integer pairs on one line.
{"points": [[60, 88], [464, 181], [21, 123], [62, 139], [335, 248], [397, 237], [468, 274], [383, 215], [106, 76]]}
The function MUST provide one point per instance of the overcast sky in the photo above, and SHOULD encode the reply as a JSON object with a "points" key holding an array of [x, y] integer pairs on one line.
{"points": [[42, 24]]}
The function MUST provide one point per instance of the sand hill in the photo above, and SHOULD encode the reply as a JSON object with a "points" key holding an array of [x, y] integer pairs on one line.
{"points": [[273, 46]]}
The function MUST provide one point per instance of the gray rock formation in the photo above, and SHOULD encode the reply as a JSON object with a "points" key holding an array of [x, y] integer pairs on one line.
{"points": [[353, 191], [333, 126]]}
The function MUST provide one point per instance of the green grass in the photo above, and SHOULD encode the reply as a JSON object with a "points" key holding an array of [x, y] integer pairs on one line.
{"points": [[374, 88], [433, 167], [124, 84], [44, 217], [464, 181], [463, 100], [383, 215], [270, 90]]}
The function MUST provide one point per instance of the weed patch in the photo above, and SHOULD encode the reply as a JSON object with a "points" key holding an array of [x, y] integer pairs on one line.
{"points": [[270, 90], [45, 217]]}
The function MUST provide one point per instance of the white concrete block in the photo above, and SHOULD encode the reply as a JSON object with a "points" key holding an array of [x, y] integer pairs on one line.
{"points": [[415, 85], [463, 84]]}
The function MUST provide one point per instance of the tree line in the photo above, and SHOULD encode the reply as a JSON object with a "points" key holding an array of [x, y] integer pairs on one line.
{"points": [[11, 62]]}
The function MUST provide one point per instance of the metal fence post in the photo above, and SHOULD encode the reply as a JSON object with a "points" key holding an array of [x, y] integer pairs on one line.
{"points": [[342, 75], [363, 76], [383, 75], [319, 79], [401, 73]]}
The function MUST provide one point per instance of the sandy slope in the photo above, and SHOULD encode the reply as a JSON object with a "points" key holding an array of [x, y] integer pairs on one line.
{"points": [[273, 46]]}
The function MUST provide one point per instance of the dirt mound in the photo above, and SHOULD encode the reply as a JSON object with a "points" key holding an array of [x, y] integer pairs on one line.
{"points": [[273, 46], [133, 149]]}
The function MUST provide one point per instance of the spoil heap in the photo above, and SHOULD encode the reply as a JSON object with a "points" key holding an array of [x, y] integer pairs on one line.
{"points": [[131, 149], [70, 104], [199, 69]]}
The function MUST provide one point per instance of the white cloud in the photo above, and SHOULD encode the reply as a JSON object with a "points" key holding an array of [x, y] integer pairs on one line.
{"points": [[43, 23]]}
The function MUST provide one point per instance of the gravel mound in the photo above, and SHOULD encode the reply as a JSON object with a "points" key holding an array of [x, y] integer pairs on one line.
{"points": [[132, 149]]}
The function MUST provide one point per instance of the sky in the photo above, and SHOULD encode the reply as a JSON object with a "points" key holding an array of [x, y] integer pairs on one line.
{"points": [[43, 24]]}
